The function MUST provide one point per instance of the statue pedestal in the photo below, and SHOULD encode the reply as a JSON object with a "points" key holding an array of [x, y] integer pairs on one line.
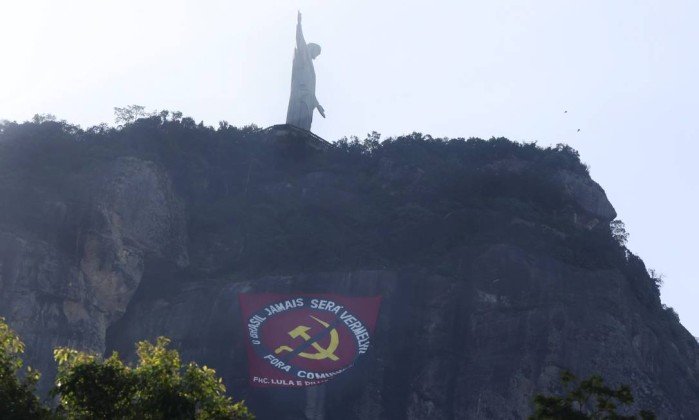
{"points": [[288, 135]]}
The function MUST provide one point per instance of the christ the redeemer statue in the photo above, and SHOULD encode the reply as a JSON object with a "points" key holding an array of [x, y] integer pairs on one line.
{"points": [[303, 83]]}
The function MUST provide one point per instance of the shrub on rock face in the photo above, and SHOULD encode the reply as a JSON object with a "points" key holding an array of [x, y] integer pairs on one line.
{"points": [[159, 387], [586, 399], [619, 232]]}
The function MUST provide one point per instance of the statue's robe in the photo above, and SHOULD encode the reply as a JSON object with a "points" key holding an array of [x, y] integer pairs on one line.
{"points": [[302, 101]]}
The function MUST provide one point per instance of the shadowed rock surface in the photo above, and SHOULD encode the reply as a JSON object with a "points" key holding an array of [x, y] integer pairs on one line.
{"points": [[495, 261]]}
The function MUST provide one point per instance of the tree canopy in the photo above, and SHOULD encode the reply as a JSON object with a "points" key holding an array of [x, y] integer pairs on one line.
{"points": [[17, 398], [159, 386]]}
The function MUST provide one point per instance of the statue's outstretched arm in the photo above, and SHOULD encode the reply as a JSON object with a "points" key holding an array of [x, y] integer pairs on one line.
{"points": [[301, 47], [300, 41]]}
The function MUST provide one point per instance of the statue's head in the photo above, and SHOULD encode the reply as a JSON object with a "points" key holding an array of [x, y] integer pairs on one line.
{"points": [[314, 50]]}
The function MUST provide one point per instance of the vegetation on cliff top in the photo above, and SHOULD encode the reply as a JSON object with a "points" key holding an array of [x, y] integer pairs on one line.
{"points": [[256, 208]]}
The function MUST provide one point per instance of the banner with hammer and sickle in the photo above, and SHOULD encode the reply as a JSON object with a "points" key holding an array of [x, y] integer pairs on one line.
{"points": [[305, 340]]}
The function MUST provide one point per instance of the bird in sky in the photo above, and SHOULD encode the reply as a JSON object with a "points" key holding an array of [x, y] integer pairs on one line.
{"points": [[578, 130]]}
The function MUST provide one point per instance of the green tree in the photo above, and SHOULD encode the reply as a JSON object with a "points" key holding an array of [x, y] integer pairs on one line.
{"points": [[40, 118], [658, 278], [17, 398], [586, 399], [131, 113], [619, 233], [158, 387]]}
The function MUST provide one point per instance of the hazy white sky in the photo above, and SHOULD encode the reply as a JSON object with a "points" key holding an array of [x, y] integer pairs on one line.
{"points": [[626, 72]]}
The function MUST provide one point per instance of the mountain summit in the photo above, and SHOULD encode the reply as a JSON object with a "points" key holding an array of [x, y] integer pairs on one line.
{"points": [[500, 264]]}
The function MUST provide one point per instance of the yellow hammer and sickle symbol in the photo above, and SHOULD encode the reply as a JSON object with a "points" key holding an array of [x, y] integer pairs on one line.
{"points": [[323, 353]]}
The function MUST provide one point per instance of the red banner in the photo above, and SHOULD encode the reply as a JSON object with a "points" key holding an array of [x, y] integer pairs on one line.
{"points": [[304, 340]]}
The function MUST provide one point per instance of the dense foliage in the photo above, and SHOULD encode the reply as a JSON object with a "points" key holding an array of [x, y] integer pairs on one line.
{"points": [[587, 399], [87, 387], [17, 398], [158, 387]]}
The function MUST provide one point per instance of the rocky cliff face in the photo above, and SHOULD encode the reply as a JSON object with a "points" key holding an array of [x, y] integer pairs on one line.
{"points": [[68, 297], [494, 260], [474, 347]]}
